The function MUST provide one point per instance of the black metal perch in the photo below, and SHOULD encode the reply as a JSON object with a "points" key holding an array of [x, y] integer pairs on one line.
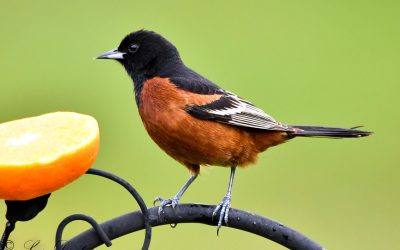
{"points": [[98, 229], [146, 218], [194, 213]]}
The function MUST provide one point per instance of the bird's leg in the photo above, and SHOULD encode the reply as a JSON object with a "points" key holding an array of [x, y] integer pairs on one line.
{"points": [[175, 200], [225, 204]]}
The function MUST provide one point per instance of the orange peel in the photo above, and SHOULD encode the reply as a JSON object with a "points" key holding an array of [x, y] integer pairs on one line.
{"points": [[41, 154]]}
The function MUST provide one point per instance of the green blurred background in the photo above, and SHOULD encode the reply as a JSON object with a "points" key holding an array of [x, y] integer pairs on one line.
{"points": [[308, 62]]}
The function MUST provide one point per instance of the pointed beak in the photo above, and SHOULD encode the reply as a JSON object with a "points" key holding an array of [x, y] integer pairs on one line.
{"points": [[112, 54]]}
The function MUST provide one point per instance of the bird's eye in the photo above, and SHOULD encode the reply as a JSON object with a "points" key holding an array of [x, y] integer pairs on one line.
{"points": [[133, 48]]}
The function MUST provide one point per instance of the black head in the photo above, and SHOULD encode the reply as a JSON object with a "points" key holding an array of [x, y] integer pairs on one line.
{"points": [[144, 54]]}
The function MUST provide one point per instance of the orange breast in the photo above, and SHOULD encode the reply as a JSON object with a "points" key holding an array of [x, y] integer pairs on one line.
{"points": [[193, 141]]}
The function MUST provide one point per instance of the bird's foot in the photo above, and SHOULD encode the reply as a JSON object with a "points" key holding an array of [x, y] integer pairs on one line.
{"points": [[165, 202], [223, 208]]}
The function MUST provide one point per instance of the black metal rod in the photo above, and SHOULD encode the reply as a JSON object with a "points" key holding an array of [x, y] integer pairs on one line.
{"points": [[136, 196], [195, 213], [10, 225], [98, 229], [102, 232]]}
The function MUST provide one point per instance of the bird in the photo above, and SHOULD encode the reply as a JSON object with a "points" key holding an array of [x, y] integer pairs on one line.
{"points": [[197, 122]]}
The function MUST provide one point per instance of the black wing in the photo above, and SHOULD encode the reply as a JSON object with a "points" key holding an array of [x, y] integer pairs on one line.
{"points": [[233, 110]]}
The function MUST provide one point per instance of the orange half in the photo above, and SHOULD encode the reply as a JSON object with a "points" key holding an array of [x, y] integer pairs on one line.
{"points": [[41, 154]]}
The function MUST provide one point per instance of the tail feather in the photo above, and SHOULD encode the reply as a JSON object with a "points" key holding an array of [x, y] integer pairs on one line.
{"points": [[318, 131]]}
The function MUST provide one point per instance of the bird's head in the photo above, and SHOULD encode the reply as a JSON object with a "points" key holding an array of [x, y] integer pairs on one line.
{"points": [[144, 53]]}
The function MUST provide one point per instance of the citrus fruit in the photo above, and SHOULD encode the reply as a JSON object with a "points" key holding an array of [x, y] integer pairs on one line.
{"points": [[41, 154]]}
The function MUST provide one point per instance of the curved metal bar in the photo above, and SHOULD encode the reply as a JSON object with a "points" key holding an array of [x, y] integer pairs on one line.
{"points": [[136, 196], [10, 226], [195, 213], [97, 228]]}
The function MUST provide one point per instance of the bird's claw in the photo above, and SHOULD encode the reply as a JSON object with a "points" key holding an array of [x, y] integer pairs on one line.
{"points": [[223, 208], [165, 202]]}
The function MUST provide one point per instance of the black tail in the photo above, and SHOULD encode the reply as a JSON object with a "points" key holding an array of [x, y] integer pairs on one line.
{"points": [[315, 131]]}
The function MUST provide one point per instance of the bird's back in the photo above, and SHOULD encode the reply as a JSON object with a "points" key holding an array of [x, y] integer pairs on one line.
{"points": [[196, 141]]}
